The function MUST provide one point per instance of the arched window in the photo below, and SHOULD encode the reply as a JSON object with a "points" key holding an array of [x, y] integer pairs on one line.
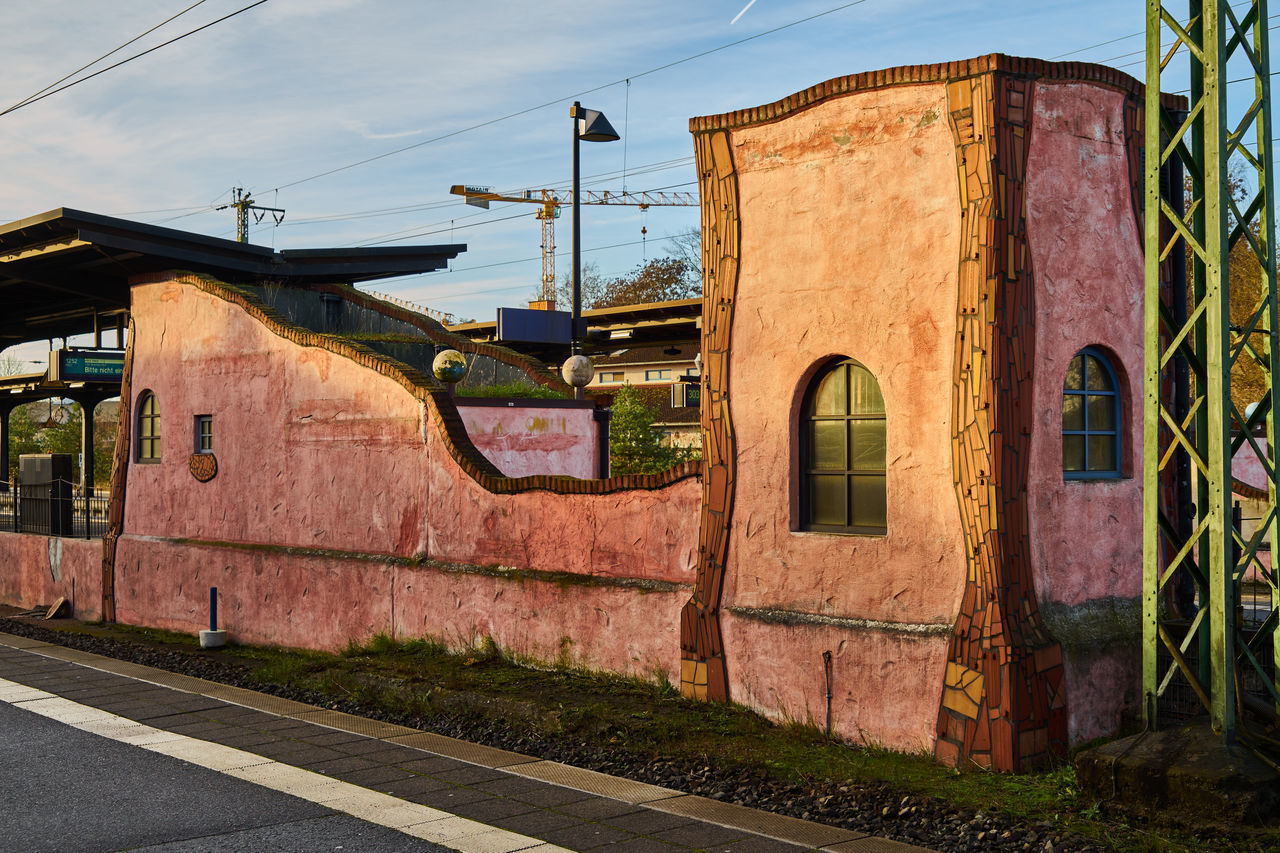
{"points": [[148, 428], [1090, 418], [843, 452]]}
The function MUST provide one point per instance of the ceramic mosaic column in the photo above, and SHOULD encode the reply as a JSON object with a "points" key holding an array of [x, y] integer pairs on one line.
{"points": [[1003, 700], [702, 665]]}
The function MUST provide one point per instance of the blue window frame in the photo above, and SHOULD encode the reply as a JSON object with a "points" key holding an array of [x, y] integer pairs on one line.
{"points": [[1091, 433], [204, 433]]}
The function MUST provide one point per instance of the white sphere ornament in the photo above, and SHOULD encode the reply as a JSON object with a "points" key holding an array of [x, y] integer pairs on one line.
{"points": [[577, 371], [449, 366]]}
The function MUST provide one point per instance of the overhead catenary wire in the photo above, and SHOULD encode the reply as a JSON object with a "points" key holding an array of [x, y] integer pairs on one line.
{"points": [[402, 234], [113, 66], [1080, 50], [1093, 46], [111, 52], [418, 231], [450, 229], [451, 134], [625, 81], [626, 134], [339, 217], [451, 201], [525, 286], [1163, 47], [159, 210]]}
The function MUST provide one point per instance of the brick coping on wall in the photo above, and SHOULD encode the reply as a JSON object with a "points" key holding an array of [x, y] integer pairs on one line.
{"points": [[904, 75], [426, 389]]}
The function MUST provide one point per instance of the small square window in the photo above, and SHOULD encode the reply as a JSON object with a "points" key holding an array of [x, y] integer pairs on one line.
{"points": [[204, 433]]}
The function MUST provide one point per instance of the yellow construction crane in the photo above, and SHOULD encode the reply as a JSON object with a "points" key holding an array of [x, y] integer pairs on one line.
{"points": [[551, 202]]}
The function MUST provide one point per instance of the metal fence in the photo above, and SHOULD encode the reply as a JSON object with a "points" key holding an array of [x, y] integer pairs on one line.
{"points": [[59, 508], [1180, 703]]}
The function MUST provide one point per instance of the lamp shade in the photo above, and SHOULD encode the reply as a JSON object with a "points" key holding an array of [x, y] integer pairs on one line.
{"points": [[596, 128]]}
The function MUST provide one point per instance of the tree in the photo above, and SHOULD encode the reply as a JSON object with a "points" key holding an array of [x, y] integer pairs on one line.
{"points": [[106, 422], [592, 287], [635, 444], [1248, 288], [31, 431], [686, 246], [1248, 381], [23, 438], [658, 280], [11, 365]]}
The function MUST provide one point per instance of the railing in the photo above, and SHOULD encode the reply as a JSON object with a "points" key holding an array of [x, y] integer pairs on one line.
{"points": [[59, 508], [443, 317]]}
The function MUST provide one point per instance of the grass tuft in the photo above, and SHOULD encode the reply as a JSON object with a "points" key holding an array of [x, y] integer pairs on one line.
{"points": [[517, 390]]}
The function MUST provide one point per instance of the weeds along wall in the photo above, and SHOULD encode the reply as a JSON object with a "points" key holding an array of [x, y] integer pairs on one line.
{"points": [[342, 497]]}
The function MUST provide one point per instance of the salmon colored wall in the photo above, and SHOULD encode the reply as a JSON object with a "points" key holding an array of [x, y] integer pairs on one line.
{"points": [[860, 656], [276, 597], [850, 227], [1247, 468], [635, 533], [313, 450], [1086, 535], [318, 452], [524, 439], [38, 570]]}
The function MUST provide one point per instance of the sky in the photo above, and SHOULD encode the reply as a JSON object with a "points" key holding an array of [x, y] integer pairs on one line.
{"points": [[285, 100]]}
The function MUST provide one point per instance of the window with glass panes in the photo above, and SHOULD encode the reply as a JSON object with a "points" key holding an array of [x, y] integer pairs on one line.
{"points": [[843, 452], [204, 433], [148, 428], [1090, 418]]}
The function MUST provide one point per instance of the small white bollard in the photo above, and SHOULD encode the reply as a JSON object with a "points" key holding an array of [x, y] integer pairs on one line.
{"points": [[213, 639]]}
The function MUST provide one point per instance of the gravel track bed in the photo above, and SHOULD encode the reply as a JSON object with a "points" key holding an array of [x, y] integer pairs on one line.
{"points": [[875, 809]]}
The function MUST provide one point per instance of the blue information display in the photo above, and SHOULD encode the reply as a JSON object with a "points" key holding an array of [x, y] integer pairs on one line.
{"points": [[531, 326], [79, 365]]}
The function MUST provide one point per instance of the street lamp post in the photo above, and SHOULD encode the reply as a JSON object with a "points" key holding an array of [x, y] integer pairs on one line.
{"points": [[592, 126]]}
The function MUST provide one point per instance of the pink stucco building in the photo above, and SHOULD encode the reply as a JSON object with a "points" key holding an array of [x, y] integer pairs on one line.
{"points": [[921, 370], [949, 542]]}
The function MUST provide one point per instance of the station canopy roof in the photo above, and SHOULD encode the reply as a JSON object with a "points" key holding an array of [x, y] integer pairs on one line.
{"points": [[66, 272], [676, 323]]}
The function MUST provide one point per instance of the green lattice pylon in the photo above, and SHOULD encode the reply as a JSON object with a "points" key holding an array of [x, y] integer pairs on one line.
{"points": [[1224, 230]]}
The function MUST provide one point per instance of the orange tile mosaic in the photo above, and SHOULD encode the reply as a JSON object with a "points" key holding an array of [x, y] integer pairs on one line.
{"points": [[700, 638], [1003, 705], [119, 474]]}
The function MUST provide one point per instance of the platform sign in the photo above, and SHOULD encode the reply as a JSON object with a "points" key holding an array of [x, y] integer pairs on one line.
{"points": [[81, 365], [534, 326]]}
